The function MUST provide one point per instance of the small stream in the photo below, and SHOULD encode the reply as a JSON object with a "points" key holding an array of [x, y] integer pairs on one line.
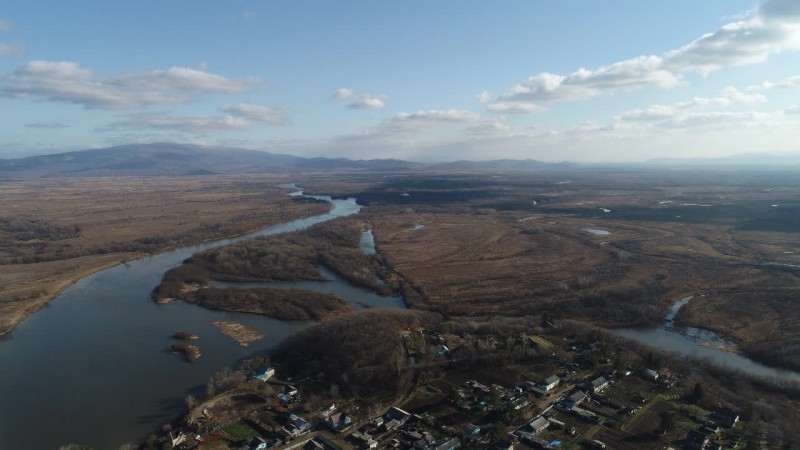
{"points": [[700, 343]]}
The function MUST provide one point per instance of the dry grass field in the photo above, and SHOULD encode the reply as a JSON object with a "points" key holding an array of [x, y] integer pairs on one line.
{"points": [[56, 231], [476, 244]]}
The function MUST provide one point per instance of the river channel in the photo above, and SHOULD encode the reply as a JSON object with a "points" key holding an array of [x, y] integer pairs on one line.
{"points": [[91, 368], [704, 344]]}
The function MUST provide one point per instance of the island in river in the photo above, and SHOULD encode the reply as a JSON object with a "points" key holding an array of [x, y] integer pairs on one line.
{"points": [[55, 231]]}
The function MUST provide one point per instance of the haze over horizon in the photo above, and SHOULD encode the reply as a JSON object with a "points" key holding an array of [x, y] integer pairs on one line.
{"points": [[579, 81]]}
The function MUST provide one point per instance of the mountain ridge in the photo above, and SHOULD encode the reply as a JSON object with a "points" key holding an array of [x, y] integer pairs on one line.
{"points": [[171, 159]]}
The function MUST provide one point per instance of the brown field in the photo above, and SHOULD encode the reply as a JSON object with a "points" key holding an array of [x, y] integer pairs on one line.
{"points": [[55, 231], [484, 248]]}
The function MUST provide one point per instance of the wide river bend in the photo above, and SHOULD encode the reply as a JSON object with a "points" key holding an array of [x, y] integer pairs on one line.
{"points": [[91, 368]]}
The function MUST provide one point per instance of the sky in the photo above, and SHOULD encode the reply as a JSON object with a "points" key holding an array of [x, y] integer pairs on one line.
{"points": [[421, 80]]}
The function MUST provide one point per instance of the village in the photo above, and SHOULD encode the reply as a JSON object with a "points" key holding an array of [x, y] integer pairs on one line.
{"points": [[568, 393]]}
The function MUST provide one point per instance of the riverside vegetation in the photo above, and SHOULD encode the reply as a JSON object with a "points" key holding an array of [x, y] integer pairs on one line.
{"points": [[54, 232], [498, 254], [514, 248]]}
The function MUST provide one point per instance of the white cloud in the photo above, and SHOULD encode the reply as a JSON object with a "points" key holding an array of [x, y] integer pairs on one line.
{"points": [[66, 81], [794, 109], [773, 27], [651, 113], [681, 110], [185, 79], [361, 101], [488, 128], [779, 10], [11, 49], [515, 107], [256, 113], [366, 101], [786, 83], [483, 96], [728, 96], [342, 93], [719, 120], [438, 115], [46, 125], [581, 84], [187, 124], [407, 130]]}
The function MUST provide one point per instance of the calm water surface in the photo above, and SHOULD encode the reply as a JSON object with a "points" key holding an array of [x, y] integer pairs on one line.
{"points": [[91, 367], [699, 343]]}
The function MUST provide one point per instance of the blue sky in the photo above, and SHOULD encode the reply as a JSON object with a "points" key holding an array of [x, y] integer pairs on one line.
{"points": [[575, 80]]}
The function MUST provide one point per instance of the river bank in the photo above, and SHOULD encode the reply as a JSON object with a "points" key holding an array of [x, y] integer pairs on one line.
{"points": [[702, 343], [128, 219], [115, 305]]}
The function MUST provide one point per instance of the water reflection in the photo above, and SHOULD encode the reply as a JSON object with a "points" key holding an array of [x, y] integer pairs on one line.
{"points": [[700, 343]]}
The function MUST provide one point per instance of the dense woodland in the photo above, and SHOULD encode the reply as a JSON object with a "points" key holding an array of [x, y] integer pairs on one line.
{"points": [[295, 304], [363, 353]]}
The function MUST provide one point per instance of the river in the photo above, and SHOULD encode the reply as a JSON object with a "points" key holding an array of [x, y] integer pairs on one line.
{"points": [[91, 368], [700, 343]]}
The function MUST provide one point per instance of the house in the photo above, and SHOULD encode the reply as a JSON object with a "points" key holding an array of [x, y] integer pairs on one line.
{"points": [[711, 427], [518, 403], [364, 439], [471, 430], [177, 437], [726, 417], [695, 440], [650, 374], [550, 382], [395, 418], [297, 426], [584, 414], [338, 421], [290, 390], [598, 384], [451, 444], [539, 424], [263, 373], [258, 443], [327, 411], [576, 398], [535, 441]]}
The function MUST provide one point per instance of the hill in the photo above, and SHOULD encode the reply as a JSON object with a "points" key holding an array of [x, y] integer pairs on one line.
{"points": [[162, 159], [171, 159]]}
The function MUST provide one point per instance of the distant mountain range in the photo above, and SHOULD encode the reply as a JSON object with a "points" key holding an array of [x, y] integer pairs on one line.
{"points": [[169, 159], [178, 159], [760, 160]]}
